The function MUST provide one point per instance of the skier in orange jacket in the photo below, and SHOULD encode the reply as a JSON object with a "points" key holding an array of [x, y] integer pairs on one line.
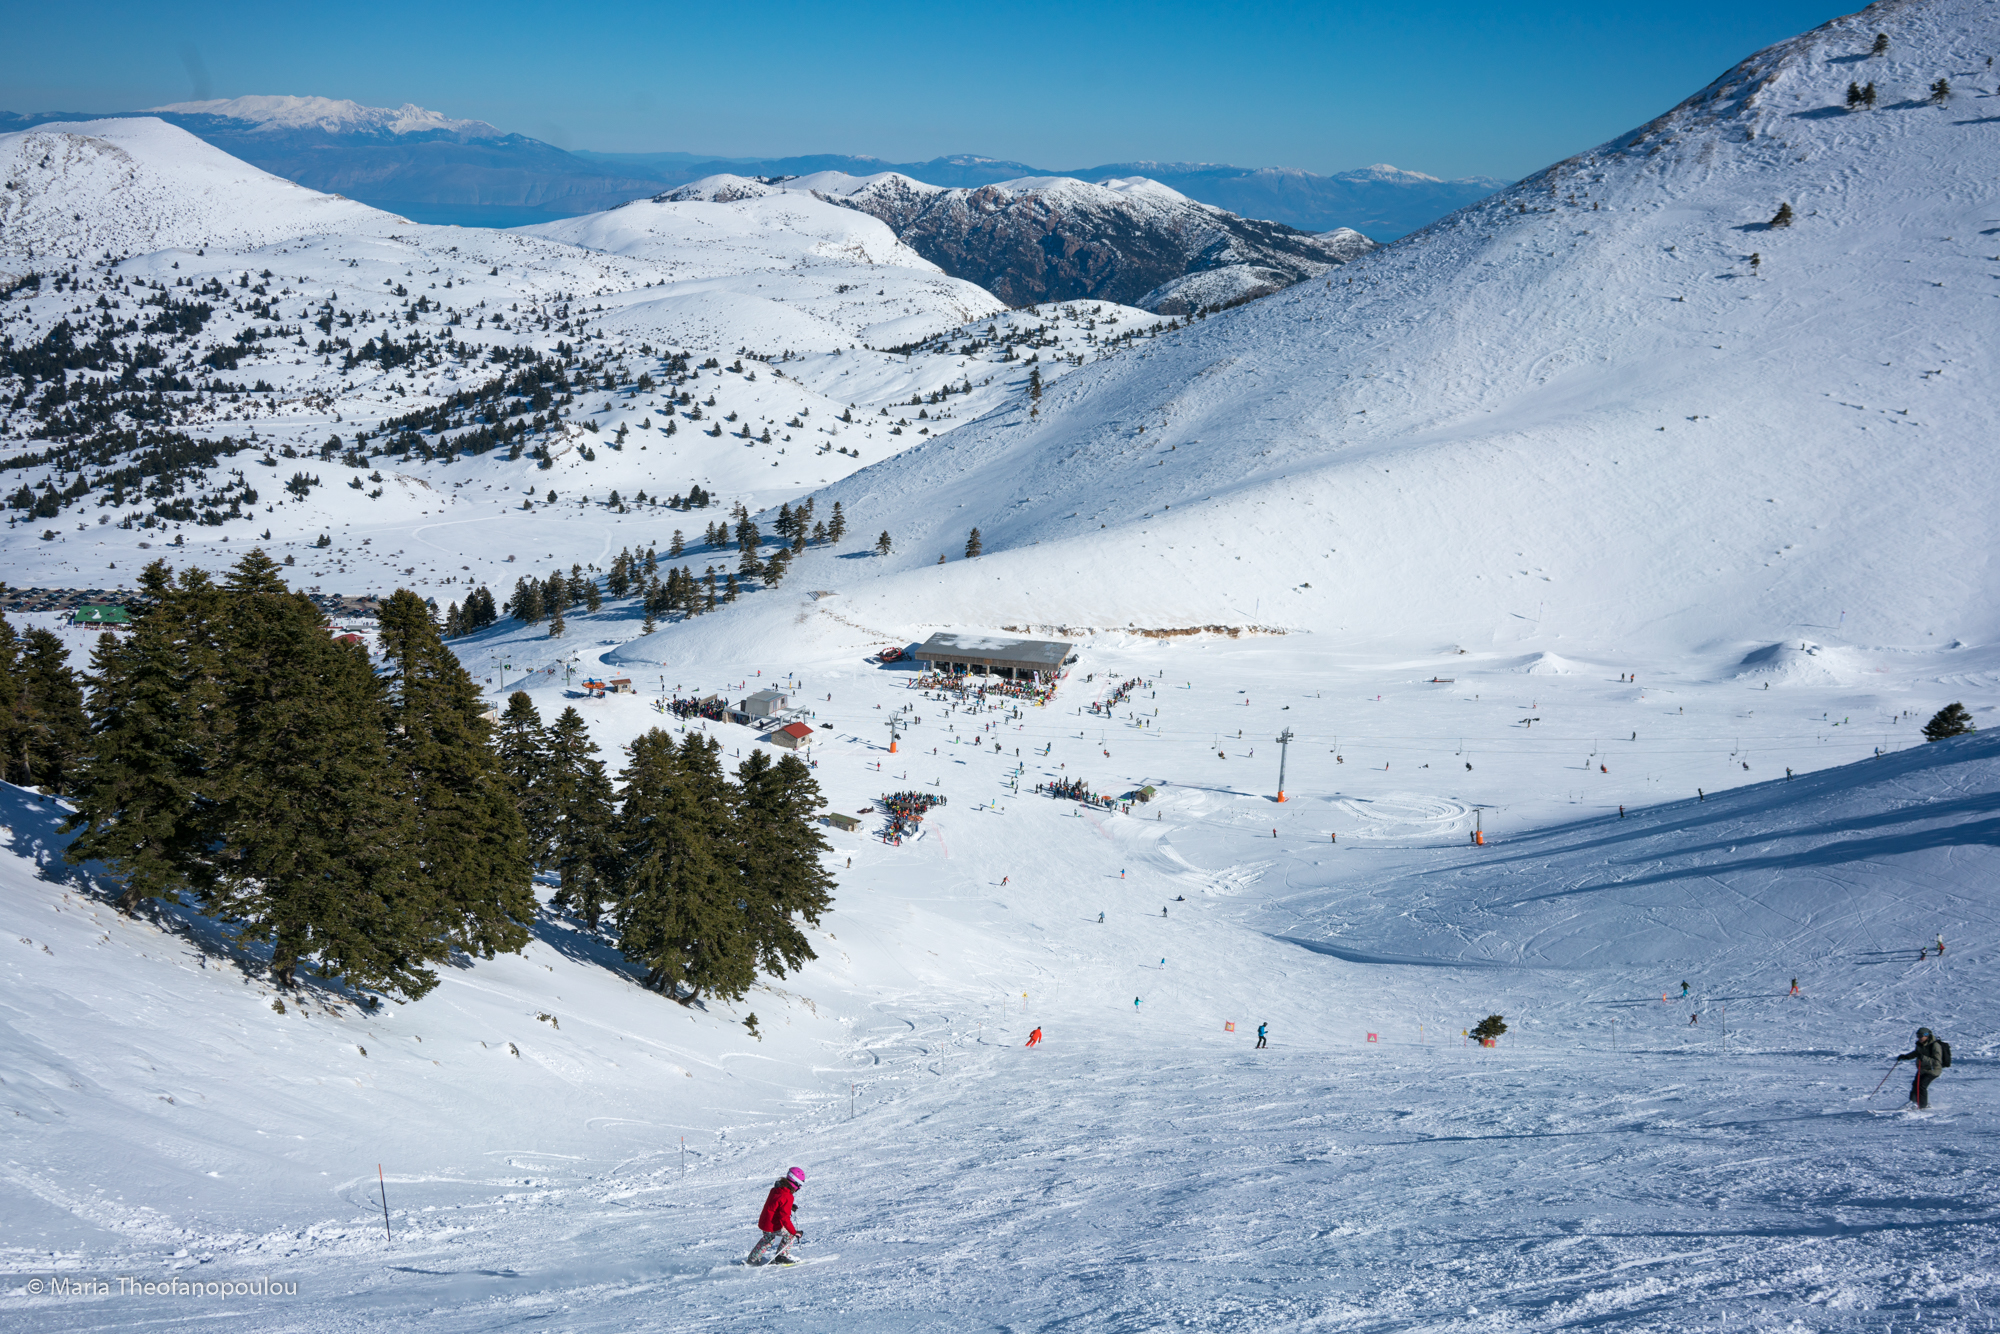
{"points": [[1035, 1038]]}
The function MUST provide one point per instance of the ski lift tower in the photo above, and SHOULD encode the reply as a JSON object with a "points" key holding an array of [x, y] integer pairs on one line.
{"points": [[1479, 824], [1284, 740], [892, 736]]}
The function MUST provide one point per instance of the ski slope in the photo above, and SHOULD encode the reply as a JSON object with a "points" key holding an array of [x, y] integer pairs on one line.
{"points": [[1607, 1162]]}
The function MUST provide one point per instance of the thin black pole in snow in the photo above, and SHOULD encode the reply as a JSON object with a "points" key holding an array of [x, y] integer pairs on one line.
{"points": [[1885, 1079], [383, 1182]]}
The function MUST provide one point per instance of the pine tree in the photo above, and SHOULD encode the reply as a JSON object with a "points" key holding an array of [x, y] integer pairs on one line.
{"points": [[819, 533], [1868, 94], [315, 866], [592, 600], [49, 725], [680, 909], [731, 590], [522, 747], [556, 623], [146, 801], [1783, 217], [776, 567], [882, 543], [836, 527], [581, 813], [779, 855], [1949, 721], [1881, 46], [973, 546], [466, 847], [676, 547], [527, 602], [1941, 91], [1853, 95], [1492, 1026]]}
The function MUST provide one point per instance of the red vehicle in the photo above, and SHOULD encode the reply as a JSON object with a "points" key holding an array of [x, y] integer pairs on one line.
{"points": [[890, 654]]}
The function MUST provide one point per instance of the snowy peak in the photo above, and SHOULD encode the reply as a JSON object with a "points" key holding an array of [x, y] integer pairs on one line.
{"points": [[132, 186], [272, 114]]}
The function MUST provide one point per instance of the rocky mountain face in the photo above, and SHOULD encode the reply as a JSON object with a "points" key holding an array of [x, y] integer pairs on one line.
{"points": [[1132, 241]]}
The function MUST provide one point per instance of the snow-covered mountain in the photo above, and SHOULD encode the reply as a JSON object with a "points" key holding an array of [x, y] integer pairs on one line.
{"points": [[331, 116], [174, 315], [1130, 240], [126, 187], [1617, 401]]}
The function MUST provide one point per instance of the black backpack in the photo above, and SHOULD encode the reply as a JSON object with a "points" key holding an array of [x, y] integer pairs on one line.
{"points": [[1944, 1050]]}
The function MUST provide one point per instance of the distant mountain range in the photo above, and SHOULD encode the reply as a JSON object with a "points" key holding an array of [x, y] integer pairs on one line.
{"points": [[431, 168], [1055, 238]]}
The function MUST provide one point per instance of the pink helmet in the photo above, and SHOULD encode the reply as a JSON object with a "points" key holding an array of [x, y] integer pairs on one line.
{"points": [[797, 1176]]}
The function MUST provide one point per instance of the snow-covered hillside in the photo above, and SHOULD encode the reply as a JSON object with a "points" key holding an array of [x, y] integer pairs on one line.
{"points": [[1125, 239], [270, 357], [102, 189], [1576, 412]]}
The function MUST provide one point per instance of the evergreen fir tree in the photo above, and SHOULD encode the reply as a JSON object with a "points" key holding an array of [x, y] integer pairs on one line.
{"points": [[1951, 720], [1868, 94], [780, 857], [556, 623], [776, 566], [680, 909], [836, 527], [1941, 91], [1783, 217], [973, 546], [580, 809], [731, 590], [1881, 46], [527, 602], [522, 748], [314, 836], [1853, 95], [882, 543], [676, 547], [466, 847], [49, 726], [146, 801], [591, 599], [1492, 1026]]}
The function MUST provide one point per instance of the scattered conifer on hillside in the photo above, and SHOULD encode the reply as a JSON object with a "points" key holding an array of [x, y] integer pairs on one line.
{"points": [[882, 543], [556, 623], [1868, 94], [1941, 91], [523, 752], [836, 527], [973, 546], [1881, 46], [1951, 720], [1783, 217], [1853, 95], [1492, 1026]]}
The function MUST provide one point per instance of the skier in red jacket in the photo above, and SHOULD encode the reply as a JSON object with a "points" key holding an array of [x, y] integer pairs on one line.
{"points": [[776, 1221]]}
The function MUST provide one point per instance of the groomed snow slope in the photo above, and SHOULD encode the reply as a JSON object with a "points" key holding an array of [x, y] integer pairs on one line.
{"points": [[1610, 1163], [1574, 409]]}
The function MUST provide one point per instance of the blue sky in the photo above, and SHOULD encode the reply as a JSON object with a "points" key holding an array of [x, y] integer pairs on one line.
{"points": [[1451, 89]]}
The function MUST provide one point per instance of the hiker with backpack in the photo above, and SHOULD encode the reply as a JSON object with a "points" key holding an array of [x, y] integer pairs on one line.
{"points": [[1933, 1058]]}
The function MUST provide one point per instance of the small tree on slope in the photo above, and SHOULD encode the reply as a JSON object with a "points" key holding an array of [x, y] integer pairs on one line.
{"points": [[1492, 1026], [1951, 720]]}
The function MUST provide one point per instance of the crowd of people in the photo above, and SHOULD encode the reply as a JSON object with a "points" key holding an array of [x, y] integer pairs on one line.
{"points": [[1075, 789], [1118, 696], [906, 811], [713, 708], [962, 685]]}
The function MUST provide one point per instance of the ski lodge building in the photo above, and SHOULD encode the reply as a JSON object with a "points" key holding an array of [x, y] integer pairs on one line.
{"points": [[992, 655]]}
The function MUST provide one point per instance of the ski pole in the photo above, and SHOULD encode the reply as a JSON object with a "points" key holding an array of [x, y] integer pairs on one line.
{"points": [[1885, 1078]]}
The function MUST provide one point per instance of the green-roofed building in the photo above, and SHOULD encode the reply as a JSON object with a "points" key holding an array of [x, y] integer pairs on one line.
{"points": [[102, 616]]}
